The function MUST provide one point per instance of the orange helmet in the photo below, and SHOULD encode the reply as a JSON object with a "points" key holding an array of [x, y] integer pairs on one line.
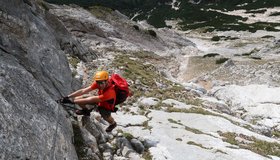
{"points": [[101, 76]]}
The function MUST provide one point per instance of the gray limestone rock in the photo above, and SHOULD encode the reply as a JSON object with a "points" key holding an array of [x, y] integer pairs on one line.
{"points": [[137, 145], [34, 72]]}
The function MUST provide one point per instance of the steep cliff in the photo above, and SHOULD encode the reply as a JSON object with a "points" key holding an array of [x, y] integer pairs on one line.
{"points": [[33, 44], [215, 97]]}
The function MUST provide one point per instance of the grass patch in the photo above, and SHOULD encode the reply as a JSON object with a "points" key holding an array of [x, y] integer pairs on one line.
{"points": [[146, 125], [258, 146], [275, 133], [100, 11], [173, 121], [196, 110], [44, 5], [135, 70], [196, 144], [191, 110], [128, 136], [147, 155], [229, 137], [146, 78], [193, 130], [192, 16], [220, 151]]}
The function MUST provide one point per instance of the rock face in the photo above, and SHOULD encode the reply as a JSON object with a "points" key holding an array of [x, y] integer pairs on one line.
{"points": [[106, 29], [33, 44]]}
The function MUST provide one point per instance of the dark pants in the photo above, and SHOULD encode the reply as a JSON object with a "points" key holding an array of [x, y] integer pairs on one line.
{"points": [[104, 112]]}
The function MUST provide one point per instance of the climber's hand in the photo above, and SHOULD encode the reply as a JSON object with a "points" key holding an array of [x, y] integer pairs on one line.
{"points": [[66, 100]]}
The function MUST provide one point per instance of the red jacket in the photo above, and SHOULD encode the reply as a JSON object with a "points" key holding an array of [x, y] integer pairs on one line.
{"points": [[107, 96]]}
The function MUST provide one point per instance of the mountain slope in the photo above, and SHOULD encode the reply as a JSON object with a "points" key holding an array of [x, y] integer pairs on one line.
{"points": [[193, 14], [222, 110], [176, 120]]}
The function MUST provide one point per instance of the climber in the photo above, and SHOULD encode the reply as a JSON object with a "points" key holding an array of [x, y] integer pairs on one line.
{"points": [[106, 98]]}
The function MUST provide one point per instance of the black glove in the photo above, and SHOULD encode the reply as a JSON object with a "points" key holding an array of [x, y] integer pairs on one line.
{"points": [[66, 100]]}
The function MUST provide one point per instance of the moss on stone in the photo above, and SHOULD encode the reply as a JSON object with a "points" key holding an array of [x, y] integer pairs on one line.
{"points": [[128, 136]]}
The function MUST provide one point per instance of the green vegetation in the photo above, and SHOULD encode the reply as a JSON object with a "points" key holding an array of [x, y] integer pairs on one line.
{"points": [[229, 137], [220, 151], [128, 136], [135, 68], [173, 121], [191, 16], [147, 155], [146, 125], [193, 130], [191, 110], [196, 144], [100, 11], [44, 5], [258, 146], [275, 133], [74, 61]]}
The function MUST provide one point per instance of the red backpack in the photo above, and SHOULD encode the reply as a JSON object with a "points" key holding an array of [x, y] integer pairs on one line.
{"points": [[121, 88]]}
